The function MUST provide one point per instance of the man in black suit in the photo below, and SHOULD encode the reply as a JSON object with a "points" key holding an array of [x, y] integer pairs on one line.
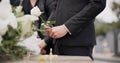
{"points": [[74, 33]]}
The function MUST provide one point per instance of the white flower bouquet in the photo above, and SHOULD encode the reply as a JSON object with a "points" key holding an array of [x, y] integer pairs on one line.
{"points": [[17, 37]]}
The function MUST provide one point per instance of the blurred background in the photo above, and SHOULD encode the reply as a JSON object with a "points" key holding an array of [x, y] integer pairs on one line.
{"points": [[107, 26]]}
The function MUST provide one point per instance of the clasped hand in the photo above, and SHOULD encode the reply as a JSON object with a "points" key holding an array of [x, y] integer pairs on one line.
{"points": [[56, 32]]}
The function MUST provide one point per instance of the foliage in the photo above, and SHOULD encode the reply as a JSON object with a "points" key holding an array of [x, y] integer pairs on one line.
{"points": [[116, 9], [17, 14], [13, 53], [44, 24], [105, 27], [9, 45]]}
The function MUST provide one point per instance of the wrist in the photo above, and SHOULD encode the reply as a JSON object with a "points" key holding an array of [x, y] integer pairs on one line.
{"points": [[66, 29]]}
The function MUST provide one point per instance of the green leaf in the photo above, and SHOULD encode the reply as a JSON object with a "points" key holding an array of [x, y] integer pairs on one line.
{"points": [[50, 23], [11, 33]]}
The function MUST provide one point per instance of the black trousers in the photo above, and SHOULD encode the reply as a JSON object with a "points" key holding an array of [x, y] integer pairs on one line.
{"points": [[73, 50]]}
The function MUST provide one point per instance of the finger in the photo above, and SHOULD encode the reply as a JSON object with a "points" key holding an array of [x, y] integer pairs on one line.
{"points": [[52, 34], [47, 27], [43, 51], [41, 46], [48, 30]]}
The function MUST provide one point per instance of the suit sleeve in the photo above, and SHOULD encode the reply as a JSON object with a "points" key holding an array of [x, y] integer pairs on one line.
{"points": [[85, 16]]}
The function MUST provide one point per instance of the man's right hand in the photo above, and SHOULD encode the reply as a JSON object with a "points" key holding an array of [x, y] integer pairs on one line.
{"points": [[42, 46], [43, 52]]}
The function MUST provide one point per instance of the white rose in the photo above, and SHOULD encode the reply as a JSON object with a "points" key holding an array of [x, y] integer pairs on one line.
{"points": [[29, 18], [3, 27], [1, 40], [5, 9], [36, 11], [26, 28], [26, 22], [12, 21], [43, 24], [32, 43], [18, 9]]}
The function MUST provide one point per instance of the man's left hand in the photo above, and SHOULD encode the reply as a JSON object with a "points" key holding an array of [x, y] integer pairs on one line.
{"points": [[58, 32]]}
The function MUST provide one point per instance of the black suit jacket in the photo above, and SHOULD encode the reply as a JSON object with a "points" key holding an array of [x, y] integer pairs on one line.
{"points": [[78, 16]]}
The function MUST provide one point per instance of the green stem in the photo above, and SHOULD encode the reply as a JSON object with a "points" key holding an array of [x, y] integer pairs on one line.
{"points": [[42, 20]]}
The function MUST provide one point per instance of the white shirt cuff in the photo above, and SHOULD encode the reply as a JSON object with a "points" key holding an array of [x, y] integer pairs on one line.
{"points": [[67, 29]]}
